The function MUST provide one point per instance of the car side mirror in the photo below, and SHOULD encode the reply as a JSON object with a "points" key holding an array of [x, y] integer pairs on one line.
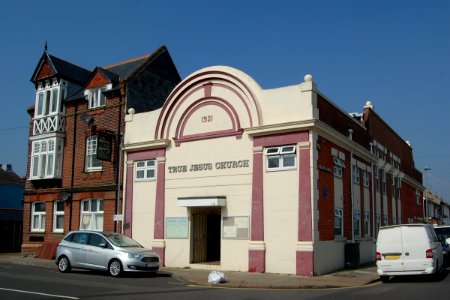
{"points": [[103, 245]]}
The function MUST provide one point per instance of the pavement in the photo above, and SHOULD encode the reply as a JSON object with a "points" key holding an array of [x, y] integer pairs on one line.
{"points": [[360, 276]]}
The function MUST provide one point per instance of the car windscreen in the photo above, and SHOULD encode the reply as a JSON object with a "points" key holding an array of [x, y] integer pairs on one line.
{"points": [[122, 241], [443, 232]]}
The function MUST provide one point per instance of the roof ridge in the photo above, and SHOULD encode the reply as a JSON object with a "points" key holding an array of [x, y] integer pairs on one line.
{"points": [[128, 61], [67, 62]]}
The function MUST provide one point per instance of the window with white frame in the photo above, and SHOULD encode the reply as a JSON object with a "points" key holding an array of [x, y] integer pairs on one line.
{"points": [[366, 179], [338, 222], [96, 97], [48, 100], [91, 214], [356, 223], [355, 174], [385, 220], [38, 217], [418, 198], [46, 158], [366, 224], [58, 216], [145, 170], [383, 180], [338, 166], [92, 162], [377, 178], [281, 158]]}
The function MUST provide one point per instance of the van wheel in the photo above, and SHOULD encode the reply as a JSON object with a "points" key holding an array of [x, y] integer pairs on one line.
{"points": [[384, 279], [115, 268], [64, 264]]}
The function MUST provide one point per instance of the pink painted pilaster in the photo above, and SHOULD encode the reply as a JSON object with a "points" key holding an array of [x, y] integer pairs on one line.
{"points": [[305, 258], [257, 257], [128, 216], [159, 209], [160, 199], [305, 263], [304, 201]]}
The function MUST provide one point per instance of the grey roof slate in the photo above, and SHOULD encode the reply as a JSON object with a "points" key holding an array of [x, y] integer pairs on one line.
{"points": [[63, 69], [9, 177]]}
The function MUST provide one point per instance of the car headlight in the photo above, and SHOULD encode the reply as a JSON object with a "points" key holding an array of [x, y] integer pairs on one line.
{"points": [[134, 255]]}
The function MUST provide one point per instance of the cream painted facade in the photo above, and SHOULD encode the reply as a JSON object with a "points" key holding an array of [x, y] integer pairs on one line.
{"points": [[213, 202], [206, 129]]}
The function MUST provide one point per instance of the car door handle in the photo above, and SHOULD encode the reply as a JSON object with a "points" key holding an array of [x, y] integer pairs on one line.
{"points": [[407, 253]]}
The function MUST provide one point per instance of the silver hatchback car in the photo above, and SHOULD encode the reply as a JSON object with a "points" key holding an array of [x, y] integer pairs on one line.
{"points": [[112, 252]]}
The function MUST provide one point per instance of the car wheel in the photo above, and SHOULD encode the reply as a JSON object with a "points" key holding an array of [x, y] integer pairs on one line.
{"points": [[384, 279], [64, 264], [115, 268]]}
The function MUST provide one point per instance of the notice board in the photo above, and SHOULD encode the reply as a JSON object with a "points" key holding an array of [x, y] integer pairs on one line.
{"points": [[236, 228]]}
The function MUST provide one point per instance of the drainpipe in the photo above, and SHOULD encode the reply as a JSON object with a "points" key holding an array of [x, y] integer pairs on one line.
{"points": [[119, 153], [73, 164], [350, 132]]}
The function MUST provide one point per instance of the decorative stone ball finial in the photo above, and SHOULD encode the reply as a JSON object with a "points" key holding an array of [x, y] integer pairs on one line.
{"points": [[308, 78], [131, 111]]}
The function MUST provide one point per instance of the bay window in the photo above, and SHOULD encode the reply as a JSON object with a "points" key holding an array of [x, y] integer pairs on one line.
{"points": [[46, 158]]}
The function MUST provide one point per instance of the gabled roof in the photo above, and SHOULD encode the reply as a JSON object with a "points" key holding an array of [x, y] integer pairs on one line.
{"points": [[121, 71], [60, 68], [9, 177], [125, 69]]}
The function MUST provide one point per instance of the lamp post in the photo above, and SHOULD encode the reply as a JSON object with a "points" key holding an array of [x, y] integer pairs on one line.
{"points": [[426, 170]]}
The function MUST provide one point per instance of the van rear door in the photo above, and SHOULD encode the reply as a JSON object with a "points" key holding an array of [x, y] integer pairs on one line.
{"points": [[415, 244], [390, 247]]}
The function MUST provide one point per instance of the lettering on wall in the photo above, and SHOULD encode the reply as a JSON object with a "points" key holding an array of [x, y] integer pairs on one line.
{"points": [[221, 165]]}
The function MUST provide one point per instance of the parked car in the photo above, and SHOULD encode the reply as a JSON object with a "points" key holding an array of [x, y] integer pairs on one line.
{"points": [[112, 252], [443, 233], [408, 249]]}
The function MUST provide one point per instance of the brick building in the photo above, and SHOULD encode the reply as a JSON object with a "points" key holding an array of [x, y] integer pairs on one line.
{"points": [[230, 176], [76, 129]]}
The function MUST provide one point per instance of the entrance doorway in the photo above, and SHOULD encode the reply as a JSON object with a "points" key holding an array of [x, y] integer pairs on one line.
{"points": [[205, 230]]}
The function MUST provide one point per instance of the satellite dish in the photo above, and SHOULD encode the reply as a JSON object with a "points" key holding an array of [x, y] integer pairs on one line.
{"points": [[63, 196]]}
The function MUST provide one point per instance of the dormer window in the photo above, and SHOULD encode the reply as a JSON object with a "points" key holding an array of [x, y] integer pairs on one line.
{"points": [[96, 97]]}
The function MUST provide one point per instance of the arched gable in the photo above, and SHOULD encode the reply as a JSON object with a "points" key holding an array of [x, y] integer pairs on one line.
{"points": [[213, 102]]}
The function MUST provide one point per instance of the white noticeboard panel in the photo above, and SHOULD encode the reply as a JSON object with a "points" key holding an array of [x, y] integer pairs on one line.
{"points": [[177, 227]]}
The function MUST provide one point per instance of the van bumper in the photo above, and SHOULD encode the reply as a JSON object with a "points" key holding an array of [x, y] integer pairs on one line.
{"points": [[429, 270]]}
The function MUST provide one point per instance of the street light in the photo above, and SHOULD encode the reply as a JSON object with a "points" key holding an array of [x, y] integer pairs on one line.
{"points": [[425, 208]]}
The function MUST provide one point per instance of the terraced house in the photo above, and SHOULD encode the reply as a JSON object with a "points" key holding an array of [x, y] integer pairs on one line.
{"points": [[76, 129]]}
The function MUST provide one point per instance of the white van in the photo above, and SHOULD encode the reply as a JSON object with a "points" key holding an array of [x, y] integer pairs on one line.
{"points": [[408, 249]]}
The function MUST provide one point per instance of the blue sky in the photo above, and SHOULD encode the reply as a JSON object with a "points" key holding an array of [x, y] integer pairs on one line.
{"points": [[394, 53]]}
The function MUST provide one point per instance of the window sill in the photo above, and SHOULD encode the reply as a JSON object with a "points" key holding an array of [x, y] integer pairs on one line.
{"points": [[94, 170], [145, 180]]}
